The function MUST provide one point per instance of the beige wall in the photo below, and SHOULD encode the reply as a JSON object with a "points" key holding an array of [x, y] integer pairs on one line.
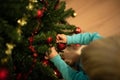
{"points": [[101, 16]]}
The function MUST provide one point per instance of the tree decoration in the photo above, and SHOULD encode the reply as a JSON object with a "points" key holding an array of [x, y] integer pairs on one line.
{"points": [[22, 21], [32, 49], [45, 62], [31, 39], [9, 49], [33, 1], [61, 46], [49, 40], [4, 60], [39, 13], [35, 55], [77, 30], [30, 6], [26, 27], [77, 45], [57, 73], [74, 14], [4, 73]]}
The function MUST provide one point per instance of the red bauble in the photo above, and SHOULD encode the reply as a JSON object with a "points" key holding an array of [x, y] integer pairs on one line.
{"points": [[77, 30], [32, 48], [77, 45], [45, 62], [57, 73], [49, 39], [3, 74], [35, 55], [39, 13], [61, 46], [31, 40]]}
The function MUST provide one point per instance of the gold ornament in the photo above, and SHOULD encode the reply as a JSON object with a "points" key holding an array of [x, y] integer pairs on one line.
{"points": [[8, 51], [34, 1], [19, 33], [9, 48], [22, 21], [4, 60], [30, 6], [74, 14], [10, 45]]}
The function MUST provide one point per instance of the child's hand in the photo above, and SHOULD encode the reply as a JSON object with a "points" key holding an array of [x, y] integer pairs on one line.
{"points": [[52, 53], [61, 38]]}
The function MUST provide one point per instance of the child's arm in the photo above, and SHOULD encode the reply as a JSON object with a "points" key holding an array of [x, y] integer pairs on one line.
{"points": [[67, 72], [82, 38]]}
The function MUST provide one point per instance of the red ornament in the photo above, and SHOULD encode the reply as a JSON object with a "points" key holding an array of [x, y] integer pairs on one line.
{"points": [[77, 30], [39, 13], [61, 46], [35, 55], [57, 73], [3, 74], [45, 62], [30, 40], [77, 45], [32, 48], [49, 39]]}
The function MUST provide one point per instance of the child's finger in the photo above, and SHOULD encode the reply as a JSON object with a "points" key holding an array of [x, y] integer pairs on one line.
{"points": [[46, 57], [58, 37]]}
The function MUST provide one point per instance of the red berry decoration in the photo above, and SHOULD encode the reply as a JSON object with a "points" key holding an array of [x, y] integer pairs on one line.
{"points": [[49, 40], [3, 74], [30, 40], [39, 13], [32, 48], [35, 55], [45, 62], [61, 46], [77, 30]]}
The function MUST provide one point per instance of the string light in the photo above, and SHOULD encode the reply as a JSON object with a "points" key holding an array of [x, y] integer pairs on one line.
{"points": [[10, 46], [30, 6], [4, 60], [22, 21], [34, 1]]}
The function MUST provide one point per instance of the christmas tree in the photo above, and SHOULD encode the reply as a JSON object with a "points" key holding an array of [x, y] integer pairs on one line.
{"points": [[27, 29]]}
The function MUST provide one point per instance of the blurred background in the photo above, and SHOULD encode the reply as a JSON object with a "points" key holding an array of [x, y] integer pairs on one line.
{"points": [[102, 16]]}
